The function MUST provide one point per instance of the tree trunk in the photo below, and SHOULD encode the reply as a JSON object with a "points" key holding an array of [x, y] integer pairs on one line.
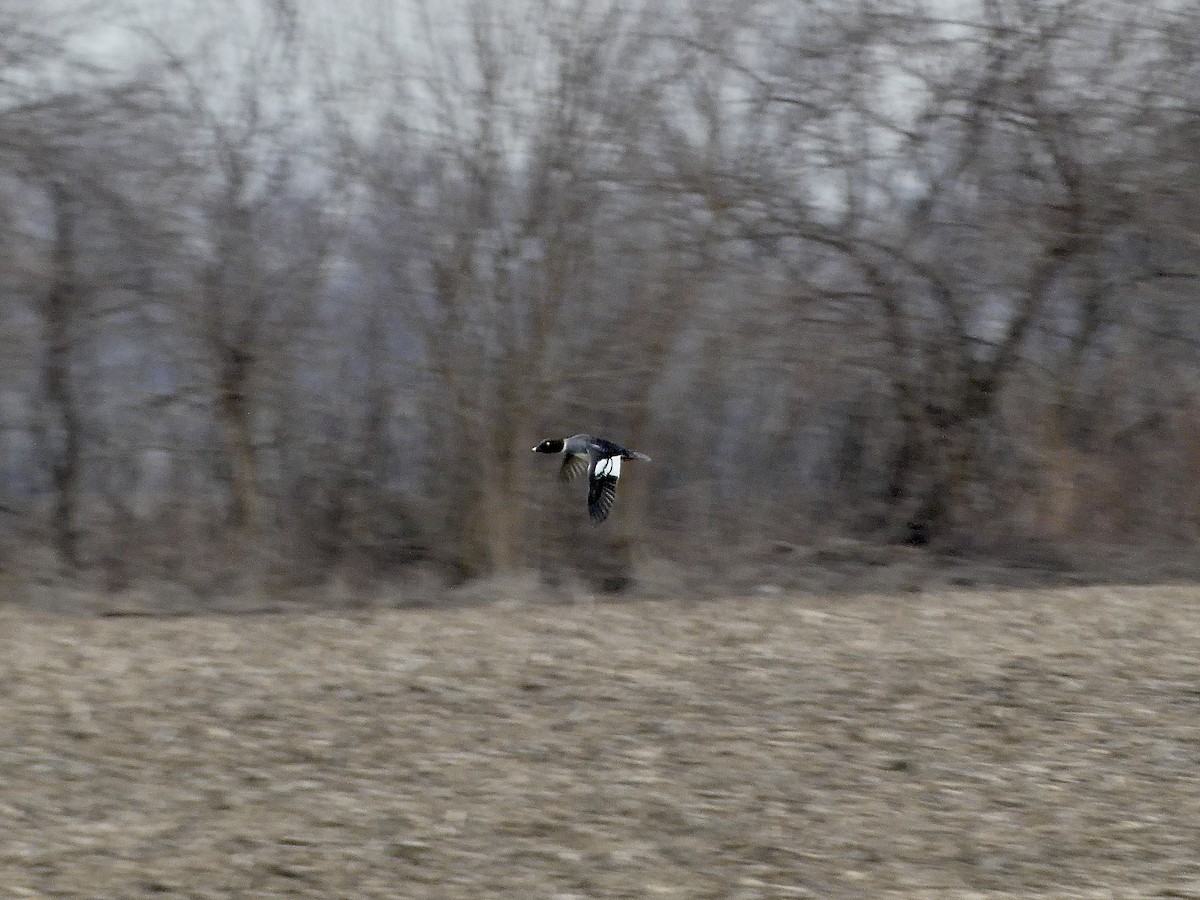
{"points": [[233, 412], [64, 459]]}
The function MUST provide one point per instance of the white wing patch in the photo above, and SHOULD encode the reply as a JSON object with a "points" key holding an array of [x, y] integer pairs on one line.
{"points": [[610, 466]]}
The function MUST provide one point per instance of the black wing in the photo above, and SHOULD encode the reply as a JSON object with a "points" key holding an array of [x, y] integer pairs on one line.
{"points": [[602, 486], [572, 466], [602, 491]]}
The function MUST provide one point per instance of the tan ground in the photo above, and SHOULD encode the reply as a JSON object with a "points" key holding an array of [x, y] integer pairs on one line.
{"points": [[967, 744]]}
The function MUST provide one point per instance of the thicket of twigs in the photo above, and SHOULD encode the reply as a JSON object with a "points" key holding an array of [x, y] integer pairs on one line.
{"points": [[285, 291]]}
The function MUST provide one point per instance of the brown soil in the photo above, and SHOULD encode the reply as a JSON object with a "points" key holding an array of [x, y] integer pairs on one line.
{"points": [[940, 744]]}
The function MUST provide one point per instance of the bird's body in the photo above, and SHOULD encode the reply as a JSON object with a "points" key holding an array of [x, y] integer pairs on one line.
{"points": [[600, 458]]}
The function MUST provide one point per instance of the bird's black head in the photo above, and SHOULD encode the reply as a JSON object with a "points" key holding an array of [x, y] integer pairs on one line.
{"points": [[554, 445]]}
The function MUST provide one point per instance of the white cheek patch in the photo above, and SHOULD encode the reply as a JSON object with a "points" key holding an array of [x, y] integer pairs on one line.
{"points": [[610, 466]]}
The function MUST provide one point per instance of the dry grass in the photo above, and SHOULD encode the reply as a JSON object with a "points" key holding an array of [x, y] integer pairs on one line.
{"points": [[946, 744]]}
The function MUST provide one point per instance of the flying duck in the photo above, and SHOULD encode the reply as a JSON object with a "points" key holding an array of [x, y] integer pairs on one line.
{"points": [[601, 458]]}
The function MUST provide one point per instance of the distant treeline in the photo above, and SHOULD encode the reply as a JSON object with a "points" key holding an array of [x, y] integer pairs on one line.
{"points": [[286, 295]]}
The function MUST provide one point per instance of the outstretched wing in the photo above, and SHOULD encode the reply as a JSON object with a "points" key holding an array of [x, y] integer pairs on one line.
{"points": [[573, 466], [602, 487]]}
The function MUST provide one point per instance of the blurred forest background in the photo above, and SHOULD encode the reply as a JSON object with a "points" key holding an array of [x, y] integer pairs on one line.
{"points": [[290, 289]]}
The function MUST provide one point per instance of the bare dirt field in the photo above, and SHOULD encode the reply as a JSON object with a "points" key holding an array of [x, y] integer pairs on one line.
{"points": [[939, 744]]}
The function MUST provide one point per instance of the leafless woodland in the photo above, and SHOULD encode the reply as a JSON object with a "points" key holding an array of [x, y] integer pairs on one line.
{"points": [[290, 290]]}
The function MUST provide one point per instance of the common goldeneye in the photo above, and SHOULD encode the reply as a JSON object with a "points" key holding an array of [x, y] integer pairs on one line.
{"points": [[601, 458]]}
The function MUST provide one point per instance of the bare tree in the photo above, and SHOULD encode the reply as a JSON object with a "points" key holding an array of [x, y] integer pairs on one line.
{"points": [[55, 108], [496, 184], [260, 272], [943, 172]]}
